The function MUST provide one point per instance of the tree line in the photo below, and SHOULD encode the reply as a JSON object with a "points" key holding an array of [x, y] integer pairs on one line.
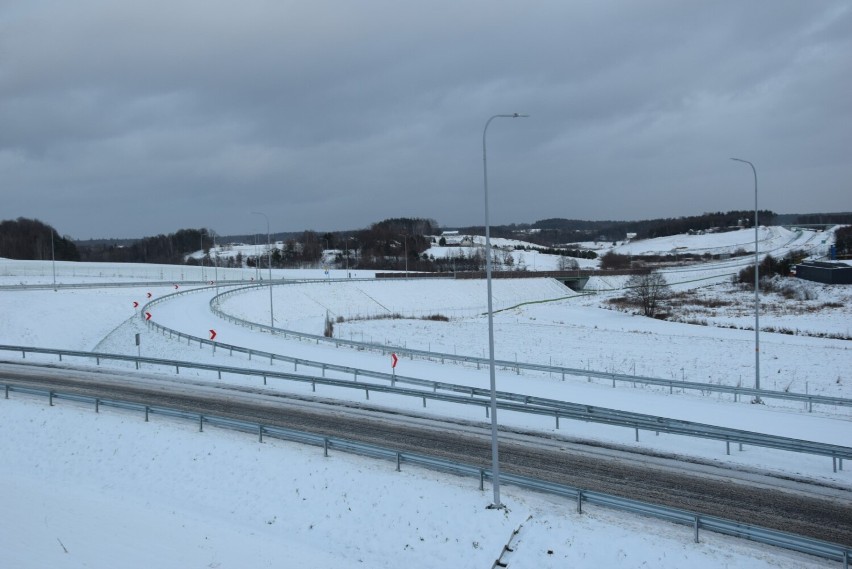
{"points": [[391, 244], [30, 239]]}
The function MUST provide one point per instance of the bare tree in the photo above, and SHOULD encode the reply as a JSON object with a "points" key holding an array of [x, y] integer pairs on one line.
{"points": [[567, 263], [648, 291]]}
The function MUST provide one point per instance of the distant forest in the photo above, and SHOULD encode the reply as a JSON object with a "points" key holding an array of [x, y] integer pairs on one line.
{"points": [[396, 243]]}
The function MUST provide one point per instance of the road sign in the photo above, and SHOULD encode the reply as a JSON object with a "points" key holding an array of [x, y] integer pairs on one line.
{"points": [[212, 334], [176, 287], [149, 295], [147, 316], [135, 304], [394, 359]]}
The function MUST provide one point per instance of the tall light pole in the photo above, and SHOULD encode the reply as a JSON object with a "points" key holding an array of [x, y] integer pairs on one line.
{"points": [[201, 239], [495, 462], [269, 262], [215, 263], [756, 285], [53, 259]]}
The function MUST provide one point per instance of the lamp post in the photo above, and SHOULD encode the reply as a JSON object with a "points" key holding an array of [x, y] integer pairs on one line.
{"points": [[269, 262], [756, 286], [201, 239], [495, 462], [53, 259], [405, 252], [215, 262]]}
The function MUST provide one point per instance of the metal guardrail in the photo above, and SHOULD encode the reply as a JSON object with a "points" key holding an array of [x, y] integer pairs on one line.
{"points": [[135, 284], [507, 401], [801, 544], [736, 391]]}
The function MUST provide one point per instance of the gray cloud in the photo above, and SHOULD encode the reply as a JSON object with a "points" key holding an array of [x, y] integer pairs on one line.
{"points": [[130, 119]]}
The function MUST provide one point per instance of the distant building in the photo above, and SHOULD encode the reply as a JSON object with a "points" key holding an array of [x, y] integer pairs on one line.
{"points": [[826, 273]]}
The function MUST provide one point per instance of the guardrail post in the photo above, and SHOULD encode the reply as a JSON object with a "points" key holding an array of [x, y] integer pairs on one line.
{"points": [[487, 412], [833, 460], [313, 386], [260, 433], [219, 371], [98, 360], [295, 365], [97, 405], [24, 354], [146, 413], [200, 423], [367, 392], [50, 398], [613, 380], [356, 376], [7, 391], [637, 434], [557, 419], [137, 363], [249, 355], [481, 479], [398, 460], [264, 379], [325, 446], [579, 501], [60, 356], [741, 447], [323, 370], [696, 528], [177, 370], [840, 463], [424, 401]]}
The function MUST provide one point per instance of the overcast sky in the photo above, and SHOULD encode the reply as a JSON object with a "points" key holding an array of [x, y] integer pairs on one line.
{"points": [[131, 118]]}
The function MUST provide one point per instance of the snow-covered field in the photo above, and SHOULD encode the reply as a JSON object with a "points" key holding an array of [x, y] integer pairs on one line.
{"points": [[120, 492]]}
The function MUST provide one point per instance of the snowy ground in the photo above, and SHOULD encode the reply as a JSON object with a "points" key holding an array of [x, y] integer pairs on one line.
{"points": [[168, 496]]}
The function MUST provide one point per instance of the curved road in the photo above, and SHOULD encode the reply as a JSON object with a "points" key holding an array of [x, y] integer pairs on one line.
{"points": [[801, 507]]}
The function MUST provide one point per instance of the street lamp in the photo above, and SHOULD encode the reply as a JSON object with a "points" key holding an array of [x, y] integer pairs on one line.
{"points": [[215, 262], [201, 239], [269, 262], [53, 259], [756, 282], [495, 462]]}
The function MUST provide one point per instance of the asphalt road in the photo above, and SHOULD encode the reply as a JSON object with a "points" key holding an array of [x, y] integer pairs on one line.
{"points": [[797, 506]]}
